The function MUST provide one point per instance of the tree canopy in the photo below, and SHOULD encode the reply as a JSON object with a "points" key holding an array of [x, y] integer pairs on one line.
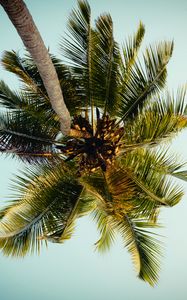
{"points": [[114, 164]]}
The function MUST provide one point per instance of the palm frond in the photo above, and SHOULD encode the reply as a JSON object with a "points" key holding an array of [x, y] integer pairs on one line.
{"points": [[154, 184], [143, 247], [83, 206], [26, 135], [110, 187], [145, 83], [25, 70], [161, 161], [120, 193], [180, 175], [45, 200], [106, 228], [86, 204], [95, 184], [77, 48], [10, 99], [128, 196], [105, 69], [130, 51], [32, 85], [158, 121]]}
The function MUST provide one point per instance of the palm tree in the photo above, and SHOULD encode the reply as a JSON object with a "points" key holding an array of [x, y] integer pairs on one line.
{"points": [[26, 28], [114, 165]]}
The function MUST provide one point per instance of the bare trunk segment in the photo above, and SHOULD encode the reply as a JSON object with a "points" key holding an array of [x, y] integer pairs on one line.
{"points": [[21, 18]]}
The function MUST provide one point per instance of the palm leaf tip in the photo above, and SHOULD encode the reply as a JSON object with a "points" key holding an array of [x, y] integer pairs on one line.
{"points": [[150, 265], [145, 249], [131, 47], [106, 229]]}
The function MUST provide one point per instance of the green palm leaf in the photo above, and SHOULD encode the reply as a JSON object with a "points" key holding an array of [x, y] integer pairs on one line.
{"points": [[133, 198], [105, 69], [32, 85], [78, 50], [68, 84], [112, 218], [46, 199], [106, 228], [158, 121], [154, 185], [144, 83], [180, 175], [10, 99], [95, 184], [144, 248], [161, 161], [25, 70], [130, 51], [25, 135]]}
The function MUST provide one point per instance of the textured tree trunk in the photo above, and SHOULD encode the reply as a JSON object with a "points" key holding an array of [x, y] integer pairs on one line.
{"points": [[26, 28]]}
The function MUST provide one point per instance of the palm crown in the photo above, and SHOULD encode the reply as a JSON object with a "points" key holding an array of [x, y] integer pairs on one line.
{"points": [[110, 165]]}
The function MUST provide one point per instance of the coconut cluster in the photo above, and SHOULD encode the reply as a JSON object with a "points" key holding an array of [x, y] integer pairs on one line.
{"points": [[93, 149]]}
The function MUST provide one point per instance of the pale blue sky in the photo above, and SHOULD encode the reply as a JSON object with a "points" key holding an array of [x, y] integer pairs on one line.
{"points": [[73, 270]]}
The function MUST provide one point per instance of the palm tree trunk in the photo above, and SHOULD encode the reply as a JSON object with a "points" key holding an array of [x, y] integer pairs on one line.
{"points": [[22, 20]]}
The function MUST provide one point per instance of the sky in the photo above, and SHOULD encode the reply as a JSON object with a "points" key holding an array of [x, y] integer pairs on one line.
{"points": [[75, 270]]}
